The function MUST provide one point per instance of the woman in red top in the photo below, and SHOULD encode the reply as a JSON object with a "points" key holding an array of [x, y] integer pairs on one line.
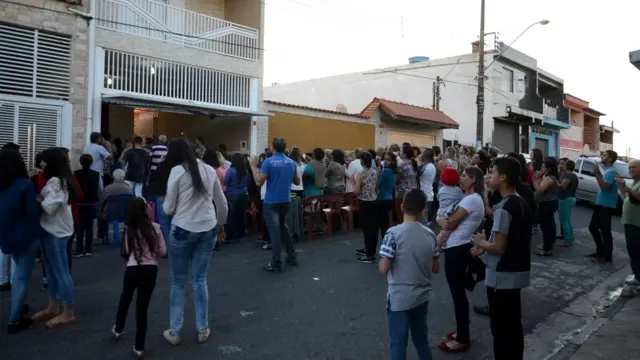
{"points": [[41, 182]]}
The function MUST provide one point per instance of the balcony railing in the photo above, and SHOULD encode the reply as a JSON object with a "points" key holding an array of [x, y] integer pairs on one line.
{"points": [[549, 111], [159, 21], [157, 77]]}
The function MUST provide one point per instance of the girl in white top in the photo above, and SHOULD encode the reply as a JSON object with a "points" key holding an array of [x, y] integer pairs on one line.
{"points": [[56, 219], [426, 177], [197, 203], [296, 156]]}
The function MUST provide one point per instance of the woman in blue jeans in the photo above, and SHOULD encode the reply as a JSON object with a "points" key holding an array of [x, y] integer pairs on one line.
{"points": [[235, 189], [192, 189], [19, 225], [56, 220]]}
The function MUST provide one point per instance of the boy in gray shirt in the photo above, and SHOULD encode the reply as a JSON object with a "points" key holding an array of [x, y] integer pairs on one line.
{"points": [[408, 257]]}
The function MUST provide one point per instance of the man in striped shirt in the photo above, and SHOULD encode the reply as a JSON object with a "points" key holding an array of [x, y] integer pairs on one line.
{"points": [[158, 152]]}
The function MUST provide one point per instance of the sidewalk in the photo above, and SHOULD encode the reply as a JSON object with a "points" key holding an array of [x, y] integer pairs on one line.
{"points": [[617, 338]]}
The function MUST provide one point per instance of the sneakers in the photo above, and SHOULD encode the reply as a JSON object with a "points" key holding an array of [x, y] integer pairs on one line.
{"points": [[630, 291], [203, 336], [366, 259], [78, 255], [173, 339], [360, 252], [275, 268], [116, 335], [19, 325], [632, 282]]}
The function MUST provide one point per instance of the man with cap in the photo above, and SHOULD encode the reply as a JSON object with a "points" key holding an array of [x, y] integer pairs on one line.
{"points": [[278, 172]]}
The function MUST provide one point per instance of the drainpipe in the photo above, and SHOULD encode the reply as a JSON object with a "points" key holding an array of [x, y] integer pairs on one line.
{"points": [[90, 17]]}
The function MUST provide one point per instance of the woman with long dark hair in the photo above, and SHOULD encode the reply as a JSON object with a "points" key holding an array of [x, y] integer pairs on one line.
{"points": [[336, 173], [142, 246], [19, 225], [367, 189], [296, 156], [56, 198], [426, 177], [537, 158], [235, 185], [407, 168], [546, 185], [192, 190], [466, 221]]}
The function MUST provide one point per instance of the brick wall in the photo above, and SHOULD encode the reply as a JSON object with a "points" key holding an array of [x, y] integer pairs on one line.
{"points": [[213, 8], [55, 17]]}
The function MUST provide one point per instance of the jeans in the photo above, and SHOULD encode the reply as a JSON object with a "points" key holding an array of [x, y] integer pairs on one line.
{"points": [[56, 263], [275, 216], [565, 210], [435, 204], [547, 221], [189, 253], [136, 186], [632, 237], [505, 312], [20, 282], [456, 262], [400, 324], [163, 219], [600, 229], [334, 190], [237, 219], [7, 268], [385, 207], [69, 258], [84, 229], [368, 214], [143, 278]]}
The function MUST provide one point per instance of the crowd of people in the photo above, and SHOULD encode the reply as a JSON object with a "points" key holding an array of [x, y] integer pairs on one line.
{"points": [[183, 199]]}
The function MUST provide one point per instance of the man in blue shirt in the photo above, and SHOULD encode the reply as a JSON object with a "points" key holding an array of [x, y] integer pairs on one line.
{"points": [[606, 203], [278, 172], [99, 154]]}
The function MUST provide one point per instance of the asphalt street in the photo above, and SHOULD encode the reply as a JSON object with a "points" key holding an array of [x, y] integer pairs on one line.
{"points": [[329, 307]]}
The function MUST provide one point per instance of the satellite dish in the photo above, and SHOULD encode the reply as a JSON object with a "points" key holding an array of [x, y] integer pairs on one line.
{"points": [[341, 108]]}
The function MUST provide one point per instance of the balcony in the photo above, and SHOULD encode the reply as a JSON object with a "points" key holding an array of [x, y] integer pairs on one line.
{"points": [[159, 21]]}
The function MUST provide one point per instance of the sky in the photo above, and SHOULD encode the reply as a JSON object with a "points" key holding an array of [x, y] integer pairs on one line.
{"points": [[587, 43]]}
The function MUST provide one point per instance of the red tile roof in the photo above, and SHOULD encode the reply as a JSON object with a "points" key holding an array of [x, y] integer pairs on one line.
{"points": [[400, 110], [314, 109]]}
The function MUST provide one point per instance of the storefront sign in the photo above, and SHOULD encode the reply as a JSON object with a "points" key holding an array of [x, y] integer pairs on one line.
{"points": [[542, 131]]}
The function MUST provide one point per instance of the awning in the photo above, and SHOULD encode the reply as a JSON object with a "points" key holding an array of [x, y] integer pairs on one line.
{"points": [[179, 106]]}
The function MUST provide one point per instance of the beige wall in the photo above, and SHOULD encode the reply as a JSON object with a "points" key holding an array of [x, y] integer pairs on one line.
{"points": [[58, 19], [215, 8], [244, 12]]}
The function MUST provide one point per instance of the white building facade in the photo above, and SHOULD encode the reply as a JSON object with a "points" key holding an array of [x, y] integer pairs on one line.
{"points": [[132, 67], [511, 96]]}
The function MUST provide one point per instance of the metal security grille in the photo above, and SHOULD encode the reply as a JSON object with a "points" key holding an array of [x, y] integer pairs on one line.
{"points": [[30, 125], [150, 76], [34, 63]]}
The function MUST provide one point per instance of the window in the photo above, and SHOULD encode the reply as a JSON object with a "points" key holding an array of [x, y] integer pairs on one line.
{"points": [[508, 80], [588, 168]]}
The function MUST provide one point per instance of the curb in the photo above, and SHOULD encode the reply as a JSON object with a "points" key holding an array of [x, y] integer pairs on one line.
{"points": [[562, 333]]}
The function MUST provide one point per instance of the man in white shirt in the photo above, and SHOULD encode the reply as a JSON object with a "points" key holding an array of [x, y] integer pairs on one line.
{"points": [[354, 167], [426, 177]]}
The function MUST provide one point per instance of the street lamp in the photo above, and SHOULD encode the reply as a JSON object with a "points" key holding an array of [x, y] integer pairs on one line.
{"points": [[481, 69]]}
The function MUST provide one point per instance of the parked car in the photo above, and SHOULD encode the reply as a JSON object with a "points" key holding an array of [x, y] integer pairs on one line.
{"points": [[587, 184]]}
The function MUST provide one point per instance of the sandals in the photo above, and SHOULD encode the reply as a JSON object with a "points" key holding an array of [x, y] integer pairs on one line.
{"points": [[565, 245], [58, 321], [44, 316], [543, 253]]}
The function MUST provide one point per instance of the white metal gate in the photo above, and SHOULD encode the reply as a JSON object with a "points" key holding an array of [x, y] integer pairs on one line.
{"points": [[35, 125]]}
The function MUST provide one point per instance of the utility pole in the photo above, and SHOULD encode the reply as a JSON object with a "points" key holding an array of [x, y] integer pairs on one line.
{"points": [[480, 97], [436, 93]]}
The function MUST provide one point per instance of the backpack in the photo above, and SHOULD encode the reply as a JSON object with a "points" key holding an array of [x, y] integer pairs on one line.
{"points": [[23, 230]]}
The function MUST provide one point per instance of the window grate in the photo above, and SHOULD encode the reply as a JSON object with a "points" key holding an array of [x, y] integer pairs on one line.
{"points": [[34, 63]]}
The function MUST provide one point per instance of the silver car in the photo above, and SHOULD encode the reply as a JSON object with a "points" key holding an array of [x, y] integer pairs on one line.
{"points": [[588, 185]]}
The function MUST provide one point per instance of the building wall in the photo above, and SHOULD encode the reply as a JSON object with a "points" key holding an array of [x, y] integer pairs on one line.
{"points": [[571, 139], [591, 133], [356, 90], [309, 132], [57, 18], [213, 8]]}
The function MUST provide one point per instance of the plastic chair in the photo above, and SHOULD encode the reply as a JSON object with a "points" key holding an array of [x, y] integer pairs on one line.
{"points": [[116, 212]]}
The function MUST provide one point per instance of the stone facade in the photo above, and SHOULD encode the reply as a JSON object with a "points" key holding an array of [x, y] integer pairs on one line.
{"points": [[54, 16]]}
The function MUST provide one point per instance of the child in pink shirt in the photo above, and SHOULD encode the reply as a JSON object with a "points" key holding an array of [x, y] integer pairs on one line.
{"points": [[142, 245]]}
